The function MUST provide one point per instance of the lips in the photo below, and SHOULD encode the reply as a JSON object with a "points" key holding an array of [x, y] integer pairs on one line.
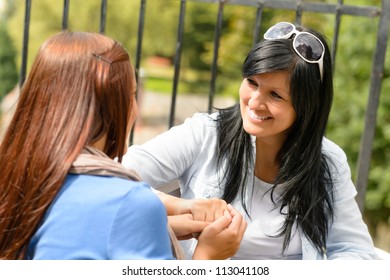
{"points": [[253, 115]]}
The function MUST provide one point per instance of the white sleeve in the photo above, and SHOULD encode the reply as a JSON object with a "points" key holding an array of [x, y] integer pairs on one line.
{"points": [[166, 157], [348, 237]]}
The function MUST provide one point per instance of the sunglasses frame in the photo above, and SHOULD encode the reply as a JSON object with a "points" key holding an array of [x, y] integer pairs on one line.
{"points": [[295, 31]]}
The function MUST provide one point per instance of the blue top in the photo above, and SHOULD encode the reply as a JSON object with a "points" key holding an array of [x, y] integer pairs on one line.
{"points": [[102, 218]]}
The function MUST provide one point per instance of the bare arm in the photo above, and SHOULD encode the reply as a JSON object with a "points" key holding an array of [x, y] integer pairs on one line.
{"points": [[188, 217]]}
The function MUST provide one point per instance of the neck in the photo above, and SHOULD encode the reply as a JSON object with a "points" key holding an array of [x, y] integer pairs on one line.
{"points": [[99, 144], [266, 165]]}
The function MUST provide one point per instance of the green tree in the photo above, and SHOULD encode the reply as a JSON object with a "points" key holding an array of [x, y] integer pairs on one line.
{"points": [[8, 70]]}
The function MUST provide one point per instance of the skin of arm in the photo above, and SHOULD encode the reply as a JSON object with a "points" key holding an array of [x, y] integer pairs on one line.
{"points": [[190, 216]]}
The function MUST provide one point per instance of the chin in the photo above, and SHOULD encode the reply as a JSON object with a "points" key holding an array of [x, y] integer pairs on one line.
{"points": [[252, 129]]}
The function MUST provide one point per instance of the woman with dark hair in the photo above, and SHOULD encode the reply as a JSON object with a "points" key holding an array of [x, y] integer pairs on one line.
{"points": [[268, 157], [62, 194]]}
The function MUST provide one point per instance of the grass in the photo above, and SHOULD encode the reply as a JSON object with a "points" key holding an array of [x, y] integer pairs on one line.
{"points": [[159, 78], [159, 75], [158, 84], [165, 85]]}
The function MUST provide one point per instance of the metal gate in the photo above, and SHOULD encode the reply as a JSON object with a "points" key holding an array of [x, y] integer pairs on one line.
{"points": [[339, 9]]}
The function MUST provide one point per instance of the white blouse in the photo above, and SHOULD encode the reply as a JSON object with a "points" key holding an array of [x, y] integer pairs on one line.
{"points": [[264, 224]]}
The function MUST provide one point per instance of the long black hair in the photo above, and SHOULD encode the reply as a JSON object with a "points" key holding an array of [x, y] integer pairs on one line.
{"points": [[304, 170]]}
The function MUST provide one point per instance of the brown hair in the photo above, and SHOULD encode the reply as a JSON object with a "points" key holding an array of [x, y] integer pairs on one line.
{"points": [[78, 90]]}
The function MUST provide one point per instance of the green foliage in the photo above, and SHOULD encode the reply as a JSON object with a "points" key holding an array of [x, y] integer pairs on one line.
{"points": [[198, 35], [8, 72]]}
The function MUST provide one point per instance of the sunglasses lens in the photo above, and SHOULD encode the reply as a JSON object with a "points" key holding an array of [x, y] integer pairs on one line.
{"points": [[279, 31], [308, 46]]}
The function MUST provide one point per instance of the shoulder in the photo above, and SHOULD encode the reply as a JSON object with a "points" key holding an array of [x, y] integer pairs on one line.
{"points": [[339, 168], [336, 157], [185, 140], [193, 129], [102, 185], [208, 119], [201, 122], [340, 172], [203, 126], [106, 194], [333, 150]]}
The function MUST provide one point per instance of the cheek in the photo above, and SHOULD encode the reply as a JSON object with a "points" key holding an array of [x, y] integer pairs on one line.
{"points": [[244, 92], [291, 116]]}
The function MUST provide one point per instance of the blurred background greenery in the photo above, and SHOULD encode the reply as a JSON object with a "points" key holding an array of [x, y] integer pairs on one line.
{"points": [[353, 64]]}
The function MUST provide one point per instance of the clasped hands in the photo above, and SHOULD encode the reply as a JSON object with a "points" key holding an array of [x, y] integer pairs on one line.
{"points": [[218, 227]]}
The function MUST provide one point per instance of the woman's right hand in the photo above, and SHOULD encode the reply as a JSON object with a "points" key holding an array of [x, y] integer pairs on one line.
{"points": [[221, 239]]}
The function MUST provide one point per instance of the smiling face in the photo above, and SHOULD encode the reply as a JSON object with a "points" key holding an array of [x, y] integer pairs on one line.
{"points": [[266, 106]]}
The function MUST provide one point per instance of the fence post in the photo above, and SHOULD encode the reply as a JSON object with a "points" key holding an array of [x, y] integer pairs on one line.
{"points": [[366, 143], [26, 29]]}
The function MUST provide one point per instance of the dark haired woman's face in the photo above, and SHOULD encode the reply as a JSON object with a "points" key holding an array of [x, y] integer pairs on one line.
{"points": [[266, 106]]}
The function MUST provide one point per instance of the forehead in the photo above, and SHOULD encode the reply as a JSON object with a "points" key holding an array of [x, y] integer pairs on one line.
{"points": [[278, 78]]}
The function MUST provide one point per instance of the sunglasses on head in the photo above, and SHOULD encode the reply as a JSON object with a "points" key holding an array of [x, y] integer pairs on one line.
{"points": [[305, 44]]}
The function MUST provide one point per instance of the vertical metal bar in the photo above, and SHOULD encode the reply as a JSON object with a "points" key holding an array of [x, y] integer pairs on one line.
{"points": [[179, 46], [373, 102], [214, 65], [140, 35], [103, 15], [23, 67], [336, 34], [65, 15], [256, 31], [141, 25], [298, 14]]}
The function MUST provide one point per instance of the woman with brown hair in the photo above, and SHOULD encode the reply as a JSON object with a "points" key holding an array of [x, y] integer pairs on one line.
{"points": [[62, 194]]}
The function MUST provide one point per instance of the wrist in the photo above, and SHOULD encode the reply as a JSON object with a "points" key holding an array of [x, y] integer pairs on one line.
{"points": [[201, 254], [174, 205]]}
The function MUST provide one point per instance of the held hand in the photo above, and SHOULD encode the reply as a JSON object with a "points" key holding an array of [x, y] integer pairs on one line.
{"points": [[207, 210], [221, 239], [184, 226], [189, 217], [201, 209]]}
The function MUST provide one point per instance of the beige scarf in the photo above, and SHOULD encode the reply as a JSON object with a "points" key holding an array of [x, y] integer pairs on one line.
{"points": [[94, 162]]}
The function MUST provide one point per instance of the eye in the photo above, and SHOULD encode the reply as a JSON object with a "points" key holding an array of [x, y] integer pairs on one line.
{"points": [[252, 82], [275, 95]]}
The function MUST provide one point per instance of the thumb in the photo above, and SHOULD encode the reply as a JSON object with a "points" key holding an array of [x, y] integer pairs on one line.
{"points": [[221, 223], [197, 226]]}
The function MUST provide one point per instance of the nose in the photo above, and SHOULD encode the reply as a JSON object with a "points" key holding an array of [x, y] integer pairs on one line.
{"points": [[257, 100]]}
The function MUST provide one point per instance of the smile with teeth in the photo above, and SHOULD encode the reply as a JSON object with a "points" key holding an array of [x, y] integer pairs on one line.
{"points": [[253, 115]]}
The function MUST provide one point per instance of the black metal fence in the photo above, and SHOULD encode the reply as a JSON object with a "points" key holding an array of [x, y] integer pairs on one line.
{"points": [[339, 9]]}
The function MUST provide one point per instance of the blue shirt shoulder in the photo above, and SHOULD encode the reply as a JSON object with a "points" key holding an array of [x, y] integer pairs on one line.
{"points": [[99, 217]]}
